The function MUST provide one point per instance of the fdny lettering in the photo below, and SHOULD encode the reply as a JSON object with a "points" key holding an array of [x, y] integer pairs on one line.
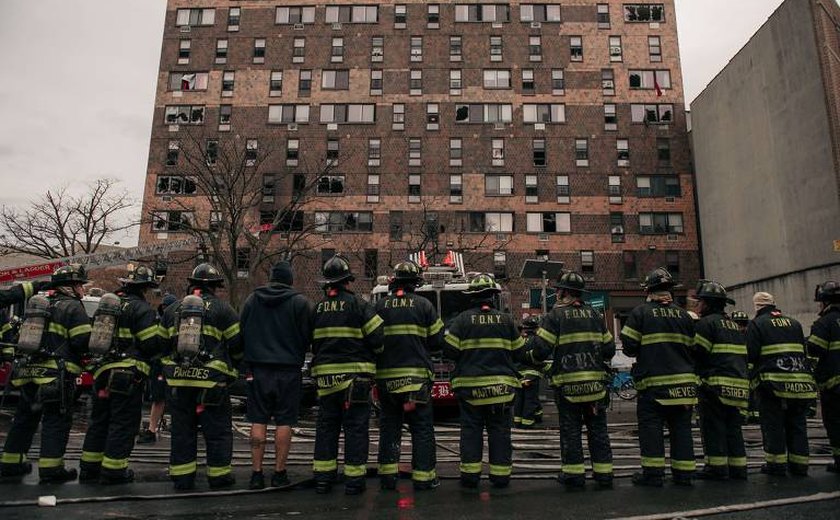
{"points": [[489, 391], [578, 313], [331, 306], [781, 323], [667, 312], [33, 372], [331, 381], [734, 393], [682, 392], [191, 373], [728, 324], [489, 319], [396, 384], [592, 387], [399, 303], [799, 388]]}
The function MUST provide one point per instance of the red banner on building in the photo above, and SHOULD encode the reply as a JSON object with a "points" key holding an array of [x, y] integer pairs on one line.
{"points": [[28, 272]]}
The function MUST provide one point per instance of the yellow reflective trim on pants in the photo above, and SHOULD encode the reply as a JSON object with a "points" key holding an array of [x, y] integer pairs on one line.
{"points": [[684, 465], [423, 476], [492, 400], [323, 466], [393, 373], [109, 463], [798, 459], [470, 467], [602, 467], [577, 377], [179, 470], [335, 389], [717, 461], [574, 469], [12, 458], [92, 456], [671, 379], [473, 381], [388, 469], [773, 458], [218, 471], [191, 383], [500, 471], [354, 471], [653, 462], [330, 369], [50, 462], [738, 462], [735, 382]]}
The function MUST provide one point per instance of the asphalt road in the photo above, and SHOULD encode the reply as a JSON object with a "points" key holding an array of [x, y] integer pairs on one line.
{"points": [[533, 493]]}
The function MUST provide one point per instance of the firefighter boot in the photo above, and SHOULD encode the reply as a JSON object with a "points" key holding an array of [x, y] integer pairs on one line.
{"points": [[714, 473], [224, 481], [184, 482], [573, 482], [737, 473], [388, 482], [647, 479], [355, 486], [14, 473], [427, 485], [798, 470], [682, 478], [59, 476], [774, 469], [126, 477]]}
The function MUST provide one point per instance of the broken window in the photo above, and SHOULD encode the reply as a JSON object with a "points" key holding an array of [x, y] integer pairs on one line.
{"points": [[331, 185], [188, 81], [175, 185], [184, 115], [166, 221], [644, 13], [652, 113]]}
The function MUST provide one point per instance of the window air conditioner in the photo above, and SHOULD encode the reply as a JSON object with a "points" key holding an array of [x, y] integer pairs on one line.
{"points": [[535, 25], [292, 127], [298, 26], [185, 28]]}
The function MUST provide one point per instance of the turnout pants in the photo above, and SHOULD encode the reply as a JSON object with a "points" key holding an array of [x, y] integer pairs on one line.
{"points": [[526, 404], [210, 408], [831, 419], [652, 418], [784, 429], [572, 418], [723, 441], [56, 421], [333, 415], [421, 425], [497, 420], [114, 423]]}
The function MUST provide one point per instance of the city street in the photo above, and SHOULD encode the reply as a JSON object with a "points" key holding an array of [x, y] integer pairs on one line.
{"points": [[534, 491]]}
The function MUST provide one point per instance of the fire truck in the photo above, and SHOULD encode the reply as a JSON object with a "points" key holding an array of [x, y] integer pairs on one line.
{"points": [[443, 285]]}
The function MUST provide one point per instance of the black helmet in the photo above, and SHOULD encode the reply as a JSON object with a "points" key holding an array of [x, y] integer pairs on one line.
{"points": [[336, 269], [659, 279], [530, 323], [73, 274], [141, 275], [710, 290], [481, 284], [407, 272], [206, 274], [827, 292], [571, 281], [739, 317]]}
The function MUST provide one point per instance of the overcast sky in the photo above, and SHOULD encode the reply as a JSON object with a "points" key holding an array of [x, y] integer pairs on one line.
{"points": [[78, 83]]}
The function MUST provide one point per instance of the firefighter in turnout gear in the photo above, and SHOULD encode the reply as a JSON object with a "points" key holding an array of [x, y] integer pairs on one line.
{"points": [[485, 345], [14, 295], [527, 410], [573, 335], [750, 414], [660, 335], [404, 370], [204, 347], [783, 384], [346, 332], [721, 357], [54, 335], [126, 336], [824, 346]]}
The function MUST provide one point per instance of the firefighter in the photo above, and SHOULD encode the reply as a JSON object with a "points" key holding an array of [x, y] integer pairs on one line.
{"points": [[824, 345], [527, 410], [276, 331], [126, 336], [660, 335], [204, 348], [784, 386], [750, 414], [18, 294], [573, 335], [485, 345], [721, 357], [346, 331], [404, 371], [53, 337]]}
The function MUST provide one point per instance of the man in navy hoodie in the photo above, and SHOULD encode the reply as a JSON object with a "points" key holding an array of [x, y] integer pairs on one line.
{"points": [[276, 326]]}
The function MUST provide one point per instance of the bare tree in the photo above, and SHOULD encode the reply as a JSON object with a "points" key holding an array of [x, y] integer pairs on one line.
{"points": [[60, 224]]}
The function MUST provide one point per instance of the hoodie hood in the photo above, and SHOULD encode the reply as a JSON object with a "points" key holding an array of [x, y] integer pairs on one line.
{"points": [[274, 295]]}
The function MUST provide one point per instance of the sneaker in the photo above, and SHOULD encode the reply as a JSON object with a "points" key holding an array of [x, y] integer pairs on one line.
{"points": [[280, 479], [59, 477], [776, 470], [426, 484], [126, 478], [322, 487], [225, 481], [647, 480], [388, 482], [147, 437], [257, 480]]}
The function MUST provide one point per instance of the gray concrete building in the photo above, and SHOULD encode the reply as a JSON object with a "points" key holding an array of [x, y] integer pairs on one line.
{"points": [[766, 139]]}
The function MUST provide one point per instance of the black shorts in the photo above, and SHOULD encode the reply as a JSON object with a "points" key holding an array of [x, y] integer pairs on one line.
{"points": [[157, 383], [274, 393]]}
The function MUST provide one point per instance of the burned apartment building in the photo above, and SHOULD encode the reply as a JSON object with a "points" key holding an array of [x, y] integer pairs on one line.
{"points": [[503, 130]]}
